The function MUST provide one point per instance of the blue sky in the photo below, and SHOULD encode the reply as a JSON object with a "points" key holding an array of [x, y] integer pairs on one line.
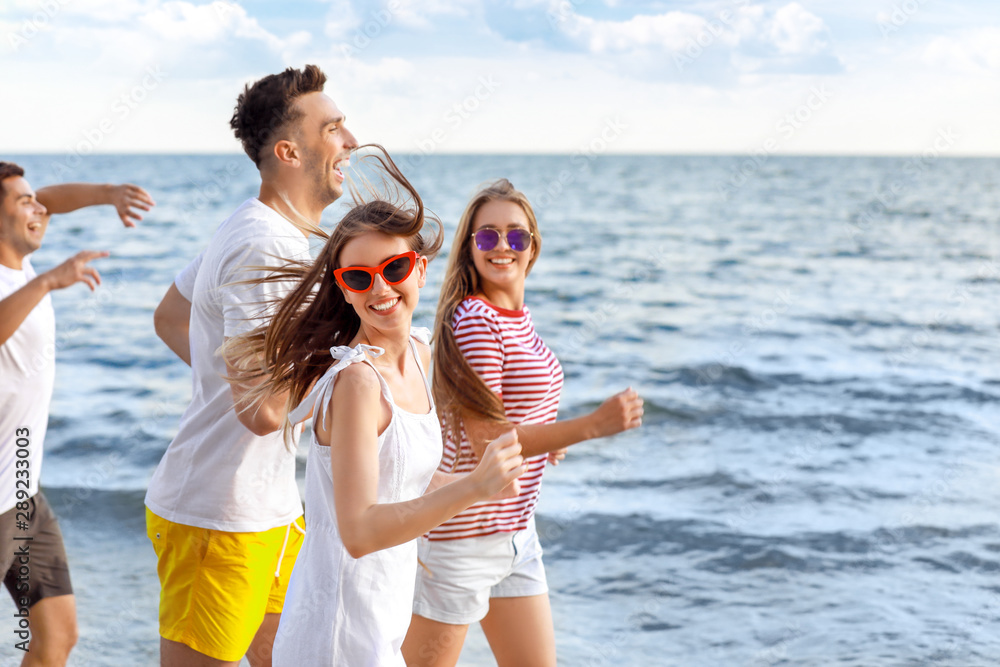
{"points": [[713, 76]]}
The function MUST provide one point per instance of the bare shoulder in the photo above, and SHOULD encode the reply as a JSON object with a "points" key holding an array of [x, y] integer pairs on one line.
{"points": [[357, 381], [355, 399]]}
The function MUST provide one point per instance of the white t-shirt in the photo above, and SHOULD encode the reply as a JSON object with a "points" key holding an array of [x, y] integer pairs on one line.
{"points": [[27, 373], [217, 474]]}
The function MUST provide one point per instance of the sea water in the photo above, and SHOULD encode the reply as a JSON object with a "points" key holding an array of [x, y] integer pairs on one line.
{"points": [[816, 339]]}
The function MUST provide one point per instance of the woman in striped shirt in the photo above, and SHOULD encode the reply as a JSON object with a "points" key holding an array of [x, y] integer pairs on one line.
{"points": [[492, 372]]}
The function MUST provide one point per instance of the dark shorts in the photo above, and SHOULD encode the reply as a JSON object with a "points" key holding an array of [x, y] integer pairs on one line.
{"points": [[42, 572]]}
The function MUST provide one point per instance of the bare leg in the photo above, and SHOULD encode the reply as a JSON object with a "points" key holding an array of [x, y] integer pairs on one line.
{"points": [[175, 654], [433, 644], [259, 653], [520, 631], [53, 632]]}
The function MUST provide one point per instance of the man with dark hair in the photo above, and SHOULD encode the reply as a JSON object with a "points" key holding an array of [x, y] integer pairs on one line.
{"points": [[32, 556], [223, 508]]}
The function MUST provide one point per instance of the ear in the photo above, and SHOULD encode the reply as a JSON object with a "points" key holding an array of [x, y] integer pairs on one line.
{"points": [[287, 153], [421, 271]]}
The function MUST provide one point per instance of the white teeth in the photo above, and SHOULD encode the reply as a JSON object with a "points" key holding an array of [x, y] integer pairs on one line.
{"points": [[502, 261], [385, 306]]}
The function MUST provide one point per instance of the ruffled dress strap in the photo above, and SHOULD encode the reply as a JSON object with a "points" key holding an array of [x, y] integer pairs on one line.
{"points": [[322, 391], [422, 334]]}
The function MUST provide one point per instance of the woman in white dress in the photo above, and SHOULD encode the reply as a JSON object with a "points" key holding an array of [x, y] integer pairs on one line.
{"points": [[341, 344]]}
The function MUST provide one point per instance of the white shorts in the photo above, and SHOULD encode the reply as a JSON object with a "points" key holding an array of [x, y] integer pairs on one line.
{"points": [[466, 573]]}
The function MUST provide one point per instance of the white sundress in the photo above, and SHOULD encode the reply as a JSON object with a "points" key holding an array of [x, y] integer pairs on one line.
{"points": [[340, 610]]}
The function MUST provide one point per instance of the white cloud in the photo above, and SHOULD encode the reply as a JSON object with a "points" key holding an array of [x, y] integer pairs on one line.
{"points": [[179, 21], [671, 31], [188, 38], [347, 19], [417, 13], [735, 39], [975, 51], [341, 20], [795, 31]]}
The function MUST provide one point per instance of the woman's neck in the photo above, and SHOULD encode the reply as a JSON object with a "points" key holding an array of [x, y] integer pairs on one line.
{"points": [[393, 344], [508, 299]]}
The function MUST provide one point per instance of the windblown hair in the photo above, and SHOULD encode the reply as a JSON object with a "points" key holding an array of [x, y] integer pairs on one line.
{"points": [[458, 389], [265, 111], [8, 170], [293, 350]]}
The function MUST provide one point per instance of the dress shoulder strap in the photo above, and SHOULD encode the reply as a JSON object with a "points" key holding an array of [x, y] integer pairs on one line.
{"points": [[423, 335], [322, 391]]}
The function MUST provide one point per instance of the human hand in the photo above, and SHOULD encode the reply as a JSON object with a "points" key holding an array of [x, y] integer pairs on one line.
{"points": [[557, 456], [75, 270], [621, 412], [512, 490], [128, 199], [500, 466]]}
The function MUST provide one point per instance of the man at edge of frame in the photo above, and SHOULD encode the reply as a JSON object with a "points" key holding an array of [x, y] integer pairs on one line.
{"points": [[32, 555]]}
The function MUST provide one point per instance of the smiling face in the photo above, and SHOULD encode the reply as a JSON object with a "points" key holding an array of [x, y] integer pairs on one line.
{"points": [[23, 221], [326, 145], [502, 270], [384, 307]]}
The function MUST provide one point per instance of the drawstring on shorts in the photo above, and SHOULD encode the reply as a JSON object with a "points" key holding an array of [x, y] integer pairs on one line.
{"points": [[288, 530]]}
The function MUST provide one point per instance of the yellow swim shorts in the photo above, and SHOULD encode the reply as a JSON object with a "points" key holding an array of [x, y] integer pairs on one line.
{"points": [[216, 586]]}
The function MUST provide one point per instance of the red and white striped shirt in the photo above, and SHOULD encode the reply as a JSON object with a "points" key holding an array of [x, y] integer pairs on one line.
{"points": [[504, 349]]}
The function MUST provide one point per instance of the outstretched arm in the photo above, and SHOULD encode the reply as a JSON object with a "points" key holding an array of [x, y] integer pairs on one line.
{"points": [[15, 308], [127, 199], [367, 525], [621, 412]]}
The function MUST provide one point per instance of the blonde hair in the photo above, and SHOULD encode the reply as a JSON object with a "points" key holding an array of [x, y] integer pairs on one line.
{"points": [[458, 389]]}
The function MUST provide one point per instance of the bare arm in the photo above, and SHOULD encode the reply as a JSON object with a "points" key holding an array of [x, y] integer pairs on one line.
{"points": [[127, 199], [172, 322], [261, 417], [367, 525], [16, 307], [621, 412]]}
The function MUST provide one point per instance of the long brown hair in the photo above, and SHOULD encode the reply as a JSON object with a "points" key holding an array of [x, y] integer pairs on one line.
{"points": [[458, 389], [293, 350]]}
